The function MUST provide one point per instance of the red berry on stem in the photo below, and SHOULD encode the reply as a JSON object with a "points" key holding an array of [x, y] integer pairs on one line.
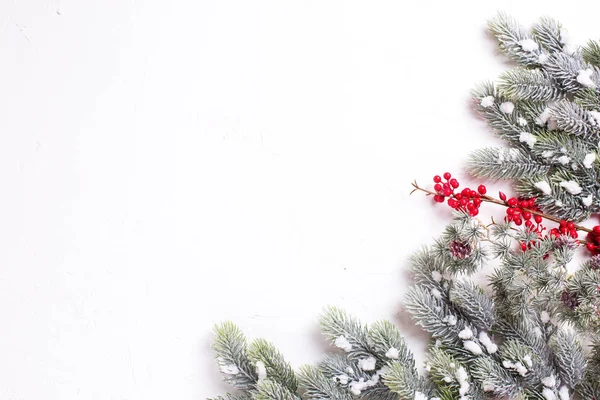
{"points": [[590, 246], [482, 189], [502, 196], [454, 183], [526, 215], [474, 212], [437, 187], [523, 246], [439, 198], [518, 221], [596, 229], [452, 203], [570, 225], [437, 179], [512, 202], [447, 175], [447, 192], [538, 219]]}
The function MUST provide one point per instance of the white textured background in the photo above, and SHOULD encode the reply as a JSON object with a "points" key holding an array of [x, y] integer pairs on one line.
{"points": [[169, 164]]}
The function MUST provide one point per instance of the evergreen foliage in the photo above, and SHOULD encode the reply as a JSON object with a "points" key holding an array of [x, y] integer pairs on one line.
{"points": [[527, 338]]}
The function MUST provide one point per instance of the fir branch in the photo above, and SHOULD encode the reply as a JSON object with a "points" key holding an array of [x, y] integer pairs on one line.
{"points": [[474, 304], [565, 69], [528, 84], [569, 357], [346, 332], [316, 385], [496, 163], [229, 396], [494, 378], [514, 41], [231, 352], [401, 380], [387, 343], [548, 33], [268, 389], [571, 118], [277, 368], [591, 53]]}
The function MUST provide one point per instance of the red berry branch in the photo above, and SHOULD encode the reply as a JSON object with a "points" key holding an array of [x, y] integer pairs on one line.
{"points": [[518, 210]]}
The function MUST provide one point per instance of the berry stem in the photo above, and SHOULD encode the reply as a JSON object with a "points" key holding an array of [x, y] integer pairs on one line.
{"points": [[490, 199]]}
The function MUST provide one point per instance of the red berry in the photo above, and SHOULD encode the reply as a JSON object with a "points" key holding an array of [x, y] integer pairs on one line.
{"points": [[502, 196], [447, 175], [574, 234], [466, 192], [458, 196], [510, 211], [437, 187], [563, 222], [445, 186], [518, 221], [437, 179], [526, 215], [454, 183], [523, 246], [463, 202], [596, 230], [447, 192], [590, 246], [570, 225], [529, 224], [477, 201], [482, 189], [452, 203], [439, 198], [538, 219], [474, 212], [471, 206], [512, 202]]}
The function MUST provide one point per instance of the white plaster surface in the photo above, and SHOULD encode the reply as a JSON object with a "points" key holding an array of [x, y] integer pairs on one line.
{"points": [[166, 165]]}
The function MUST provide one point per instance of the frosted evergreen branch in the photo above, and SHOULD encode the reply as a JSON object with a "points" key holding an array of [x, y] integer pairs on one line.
{"points": [[588, 99], [316, 385], [514, 41], [494, 378], [433, 315], [276, 368], [268, 389], [528, 84], [591, 53], [569, 357], [346, 333], [231, 351], [388, 344], [473, 303], [571, 118], [229, 396], [496, 163], [571, 73], [401, 380], [548, 33], [494, 107]]}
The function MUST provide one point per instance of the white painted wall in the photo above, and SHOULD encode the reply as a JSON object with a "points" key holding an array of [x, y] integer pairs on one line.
{"points": [[169, 164]]}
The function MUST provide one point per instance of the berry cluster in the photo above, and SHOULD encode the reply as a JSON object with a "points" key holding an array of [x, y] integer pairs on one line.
{"points": [[593, 241], [519, 211], [467, 200], [565, 228]]}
